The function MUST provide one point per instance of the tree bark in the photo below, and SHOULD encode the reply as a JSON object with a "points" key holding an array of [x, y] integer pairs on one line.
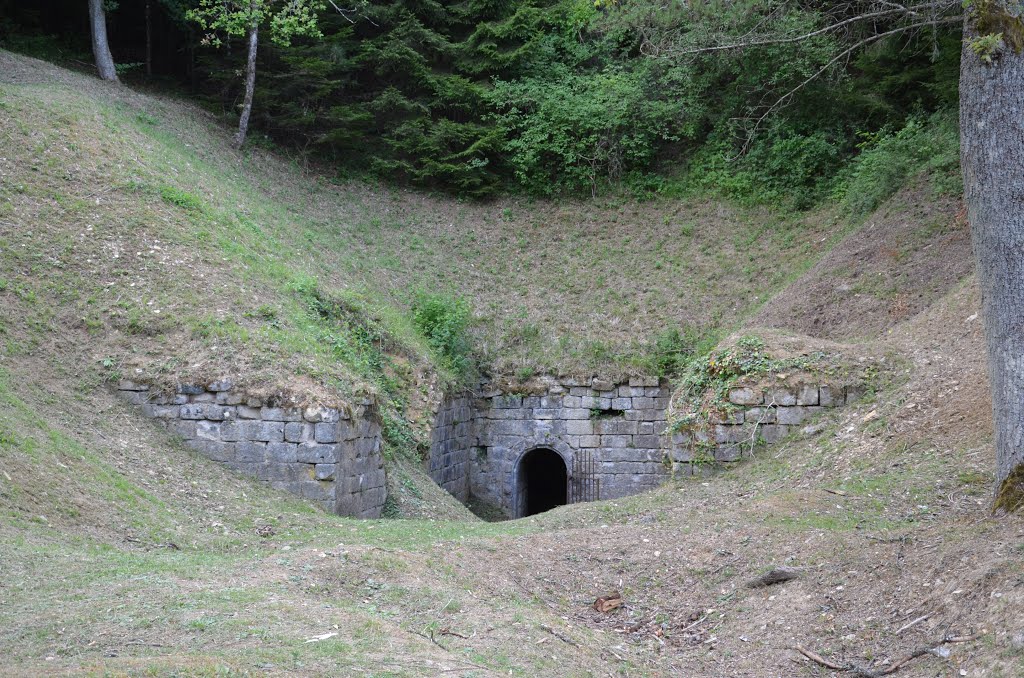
{"points": [[100, 47], [992, 155], [250, 84], [149, 41]]}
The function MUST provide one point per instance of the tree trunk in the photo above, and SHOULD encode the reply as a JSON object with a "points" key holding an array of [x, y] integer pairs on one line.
{"points": [[100, 47], [250, 85], [149, 42], [992, 155]]}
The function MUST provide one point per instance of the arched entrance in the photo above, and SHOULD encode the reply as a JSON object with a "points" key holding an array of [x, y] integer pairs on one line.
{"points": [[542, 482]]}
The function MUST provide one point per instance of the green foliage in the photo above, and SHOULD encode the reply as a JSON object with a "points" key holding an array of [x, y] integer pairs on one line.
{"points": [[180, 198], [672, 350], [889, 159], [580, 132], [444, 322], [234, 18], [554, 97]]}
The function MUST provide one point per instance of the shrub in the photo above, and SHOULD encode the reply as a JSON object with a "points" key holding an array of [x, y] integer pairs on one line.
{"points": [[444, 322], [888, 160]]}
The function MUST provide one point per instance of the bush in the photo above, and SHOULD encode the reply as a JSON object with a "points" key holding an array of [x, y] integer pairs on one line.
{"points": [[672, 350], [444, 322], [888, 160]]}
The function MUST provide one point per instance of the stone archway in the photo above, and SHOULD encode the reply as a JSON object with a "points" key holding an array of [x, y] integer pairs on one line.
{"points": [[542, 480], [546, 465]]}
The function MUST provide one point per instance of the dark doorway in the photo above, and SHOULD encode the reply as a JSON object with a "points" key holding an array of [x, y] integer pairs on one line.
{"points": [[543, 481]]}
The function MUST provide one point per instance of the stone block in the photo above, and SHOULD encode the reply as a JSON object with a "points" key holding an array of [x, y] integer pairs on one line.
{"points": [[220, 385], [579, 427], [506, 402], [193, 411], [138, 397], [643, 403], [647, 441], [763, 415], [318, 415], [590, 402], [324, 471], [619, 441], [250, 453], [190, 389], [531, 402], [246, 412], [202, 398], [282, 453], [781, 397], [572, 402], [581, 391], [541, 414], [616, 426], [574, 413], [166, 411], [590, 441], [208, 430], [790, 415], [254, 402], [315, 453], [807, 395], [602, 385], [325, 432], [298, 431], [280, 414], [681, 438], [184, 428], [726, 453], [128, 385], [745, 396], [551, 402], [829, 397], [515, 427], [622, 404], [230, 398], [263, 431]]}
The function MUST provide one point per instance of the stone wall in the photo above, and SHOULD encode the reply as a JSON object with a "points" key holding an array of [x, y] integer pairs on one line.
{"points": [[755, 416], [452, 441], [614, 430], [329, 456], [617, 432]]}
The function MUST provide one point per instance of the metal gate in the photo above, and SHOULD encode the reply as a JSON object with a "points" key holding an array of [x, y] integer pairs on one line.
{"points": [[584, 485]]}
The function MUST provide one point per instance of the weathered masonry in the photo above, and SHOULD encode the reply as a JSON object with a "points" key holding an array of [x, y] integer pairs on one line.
{"points": [[327, 455], [569, 441], [562, 443]]}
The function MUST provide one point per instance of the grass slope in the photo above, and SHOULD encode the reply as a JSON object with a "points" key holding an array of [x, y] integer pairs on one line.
{"points": [[125, 554]]}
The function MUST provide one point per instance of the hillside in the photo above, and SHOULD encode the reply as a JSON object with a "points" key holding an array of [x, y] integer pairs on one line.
{"points": [[133, 237]]}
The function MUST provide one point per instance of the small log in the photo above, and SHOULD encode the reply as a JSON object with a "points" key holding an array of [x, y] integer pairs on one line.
{"points": [[609, 602]]}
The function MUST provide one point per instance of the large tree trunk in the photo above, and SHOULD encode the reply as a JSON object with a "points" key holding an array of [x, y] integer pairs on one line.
{"points": [[250, 85], [992, 158], [100, 48]]}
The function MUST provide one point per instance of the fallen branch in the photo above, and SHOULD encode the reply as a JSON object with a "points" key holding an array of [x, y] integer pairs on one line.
{"points": [[912, 624], [560, 636], [865, 672]]}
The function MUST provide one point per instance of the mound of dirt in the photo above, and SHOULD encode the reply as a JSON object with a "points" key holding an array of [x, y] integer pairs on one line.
{"points": [[907, 256]]}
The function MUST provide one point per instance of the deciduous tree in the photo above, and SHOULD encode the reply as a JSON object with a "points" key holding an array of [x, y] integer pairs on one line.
{"points": [[100, 47], [237, 18]]}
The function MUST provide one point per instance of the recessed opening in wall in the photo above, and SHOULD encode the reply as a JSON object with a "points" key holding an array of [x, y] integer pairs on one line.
{"points": [[543, 481], [609, 413]]}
